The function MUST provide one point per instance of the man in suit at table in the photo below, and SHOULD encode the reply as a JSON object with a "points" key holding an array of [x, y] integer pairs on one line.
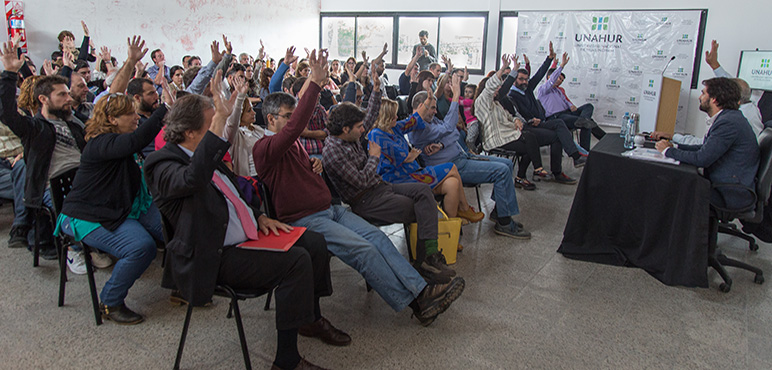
{"points": [[205, 217], [729, 154]]}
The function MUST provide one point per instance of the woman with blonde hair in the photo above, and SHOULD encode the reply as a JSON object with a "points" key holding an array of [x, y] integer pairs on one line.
{"points": [[398, 162], [27, 104], [443, 94], [109, 207]]}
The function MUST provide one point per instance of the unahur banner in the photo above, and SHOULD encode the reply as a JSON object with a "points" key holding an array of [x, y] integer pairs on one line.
{"points": [[610, 53]]}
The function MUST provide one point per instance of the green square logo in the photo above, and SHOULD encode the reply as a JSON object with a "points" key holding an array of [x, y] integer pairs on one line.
{"points": [[595, 65], [613, 82], [574, 80], [611, 113], [651, 83], [600, 23], [685, 36], [525, 33], [664, 19], [592, 96], [560, 34], [632, 99], [680, 69], [635, 68], [640, 36], [544, 19], [660, 52], [765, 63]]}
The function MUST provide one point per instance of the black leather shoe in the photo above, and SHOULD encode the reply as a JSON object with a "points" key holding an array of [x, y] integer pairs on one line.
{"points": [[120, 314], [48, 253], [436, 298], [18, 237], [324, 330]]}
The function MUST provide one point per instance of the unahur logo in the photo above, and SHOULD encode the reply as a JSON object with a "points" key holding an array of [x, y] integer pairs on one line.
{"points": [[765, 63], [632, 102], [651, 83], [764, 69], [600, 23], [659, 55], [684, 36]]}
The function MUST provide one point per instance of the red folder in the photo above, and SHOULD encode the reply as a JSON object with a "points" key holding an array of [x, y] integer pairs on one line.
{"points": [[273, 243]]}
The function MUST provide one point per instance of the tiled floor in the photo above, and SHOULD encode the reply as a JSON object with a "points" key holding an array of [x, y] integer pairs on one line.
{"points": [[524, 307]]}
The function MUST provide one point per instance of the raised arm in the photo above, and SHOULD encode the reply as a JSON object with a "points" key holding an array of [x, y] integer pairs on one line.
{"points": [[536, 78], [234, 120], [278, 77], [8, 111], [137, 51], [413, 61]]}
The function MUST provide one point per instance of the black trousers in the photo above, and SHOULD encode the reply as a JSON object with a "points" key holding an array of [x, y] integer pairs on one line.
{"points": [[298, 275], [400, 203], [527, 146], [546, 136]]}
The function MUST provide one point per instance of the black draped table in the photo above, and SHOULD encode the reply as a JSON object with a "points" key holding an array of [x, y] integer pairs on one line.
{"points": [[629, 212]]}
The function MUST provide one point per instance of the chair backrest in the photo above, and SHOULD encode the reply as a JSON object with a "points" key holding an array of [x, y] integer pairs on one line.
{"points": [[391, 92], [60, 187], [764, 174], [402, 108]]}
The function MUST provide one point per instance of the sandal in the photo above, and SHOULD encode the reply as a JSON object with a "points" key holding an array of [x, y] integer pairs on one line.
{"points": [[524, 184]]}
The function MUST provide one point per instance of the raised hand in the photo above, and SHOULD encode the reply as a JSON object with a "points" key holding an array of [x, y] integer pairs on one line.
{"points": [[466, 74], [16, 40], [227, 44], [216, 54], [455, 86], [289, 56], [525, 59], [308, 52], [414, 76], [68, 43], [564, 60], [137, 49], [383, 52], [85, 28], [104, 53], [166, 93], [240, 85], [350, 72], [515, 62], [374, 77], [504, 61], [139, 69], [261, 52], [222, 107], [711, 57], [364, 57], [419, 52], [67, 59], [11, 61], [552, 52], [320, 71], [48, 67]]}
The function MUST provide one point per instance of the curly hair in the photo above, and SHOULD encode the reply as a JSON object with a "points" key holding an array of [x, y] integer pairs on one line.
{"points": [[27, 99], [387, 115], [114, 105], [725, 91], [345, 114]]}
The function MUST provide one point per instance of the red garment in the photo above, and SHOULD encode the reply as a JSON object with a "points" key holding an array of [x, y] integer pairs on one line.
{"points": [[284, 166]]}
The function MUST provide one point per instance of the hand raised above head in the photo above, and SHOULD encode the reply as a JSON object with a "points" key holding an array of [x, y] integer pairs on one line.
{"points": [[289, 56], [11, 61], [227, 44], [137, 49], [319, 68], [552, 52]]}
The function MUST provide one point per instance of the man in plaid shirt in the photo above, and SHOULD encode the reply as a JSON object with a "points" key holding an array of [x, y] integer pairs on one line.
{"points": [[354, 174], [313, 136]]}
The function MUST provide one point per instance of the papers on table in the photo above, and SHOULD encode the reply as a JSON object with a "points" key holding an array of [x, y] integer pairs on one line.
{"points": [[648, 154]]}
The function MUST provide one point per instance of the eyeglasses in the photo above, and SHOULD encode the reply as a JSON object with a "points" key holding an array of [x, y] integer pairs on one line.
{"points": [[111, 96], [285, 115]]}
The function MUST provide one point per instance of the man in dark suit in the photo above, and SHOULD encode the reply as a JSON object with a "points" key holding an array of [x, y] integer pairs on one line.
{"points": [[730, 153], [205, 216]]}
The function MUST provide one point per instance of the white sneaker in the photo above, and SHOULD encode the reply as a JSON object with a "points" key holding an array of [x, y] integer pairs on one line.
{"points": [[76, 263], [100, 259]]}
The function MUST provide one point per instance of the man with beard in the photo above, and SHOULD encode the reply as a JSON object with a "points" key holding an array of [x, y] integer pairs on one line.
{"points": [[146, 100], [83, 109], [53, 139], [729, 154]]}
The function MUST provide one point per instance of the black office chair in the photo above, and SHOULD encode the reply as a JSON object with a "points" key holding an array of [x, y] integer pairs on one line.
{"points": [[60, 187], [235, 296], [402, 107], [753, 213]]}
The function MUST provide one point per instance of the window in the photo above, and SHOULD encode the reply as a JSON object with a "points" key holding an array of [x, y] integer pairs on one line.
{"points": [[409, 27], [338, 36], [462, 40], [460, 36], [508, 35]]}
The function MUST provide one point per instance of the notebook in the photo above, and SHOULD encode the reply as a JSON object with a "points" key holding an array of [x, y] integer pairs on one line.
{"points": [[273, 243]]}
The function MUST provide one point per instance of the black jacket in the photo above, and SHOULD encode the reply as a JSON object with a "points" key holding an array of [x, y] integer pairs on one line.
{"points": [[38, 137], [194, 214], [527, 104], [109, 177]]}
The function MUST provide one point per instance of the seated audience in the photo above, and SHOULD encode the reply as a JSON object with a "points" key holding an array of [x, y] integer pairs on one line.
{"points": [[439, 143], [109, 207], [188, 174], [525, 103], [301, 198], [398, 163], [557, 106]]}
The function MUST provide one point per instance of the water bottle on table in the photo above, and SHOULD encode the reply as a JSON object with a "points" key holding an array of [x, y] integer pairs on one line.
{"points": [[630, 134], [624, 124]]}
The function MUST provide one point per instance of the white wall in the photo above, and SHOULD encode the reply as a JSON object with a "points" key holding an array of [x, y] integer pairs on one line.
{"points": [[736, 25], [182, 27]]}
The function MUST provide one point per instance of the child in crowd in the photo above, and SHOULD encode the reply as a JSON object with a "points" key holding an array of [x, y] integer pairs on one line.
{"points": [[472, 126]]}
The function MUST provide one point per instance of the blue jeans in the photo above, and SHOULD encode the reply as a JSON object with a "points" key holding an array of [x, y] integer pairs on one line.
{"points": [[494, 170], [368, 250], [133, 244], [6, 183]]}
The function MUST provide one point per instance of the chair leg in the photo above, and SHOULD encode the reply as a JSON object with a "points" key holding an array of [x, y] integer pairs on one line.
{"points": [[726, 286], [242, 337], [477, 191], [726, 261], [62, 249], [92, 283], [182, 338], [230, 311], [36, 248], [733, 231], [268, 300]]}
